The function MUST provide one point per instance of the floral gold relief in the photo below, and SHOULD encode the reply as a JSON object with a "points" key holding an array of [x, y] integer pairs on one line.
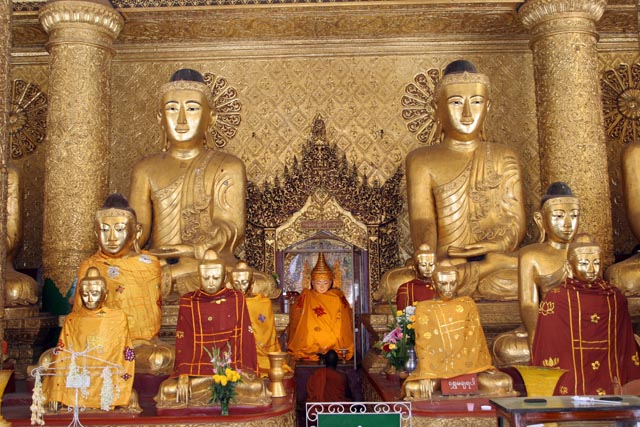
{"points": [[27, 118], [5, 49]]}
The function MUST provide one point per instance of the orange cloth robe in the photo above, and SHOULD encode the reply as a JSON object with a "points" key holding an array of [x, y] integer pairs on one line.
{"points": [[414, 291], [588, 331], [449, 339], [264, 329], [327, 385], [319, 323], [206, 321], [134, 287], [105, 330]]}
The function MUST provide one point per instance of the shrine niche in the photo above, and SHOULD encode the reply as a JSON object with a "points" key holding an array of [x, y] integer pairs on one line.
{"points": [[323, 193]]}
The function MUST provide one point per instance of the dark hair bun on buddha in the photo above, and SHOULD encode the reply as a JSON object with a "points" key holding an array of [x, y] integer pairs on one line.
{"points": [[118, 202], [555, 190], [460, 66], [187, 74]]}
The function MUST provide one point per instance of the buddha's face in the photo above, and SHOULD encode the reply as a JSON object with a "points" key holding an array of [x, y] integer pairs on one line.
{"points": [[446, 284], [462, 108], [321, 284], [211, 277], [585, 264], [426, 263], [93, 293], [116, 235], [185, 115], [560, 221], [241, 280]]}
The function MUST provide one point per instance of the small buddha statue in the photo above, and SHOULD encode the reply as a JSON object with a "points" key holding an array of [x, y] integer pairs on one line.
{"points": [[626, 274], [465, 194], [190, 198], [212, 316], [321, 318], [542, 267], [450, 342], [109, 359], [421, 288], [262, 317], [584, 327], [20, 289], [134, 282]]}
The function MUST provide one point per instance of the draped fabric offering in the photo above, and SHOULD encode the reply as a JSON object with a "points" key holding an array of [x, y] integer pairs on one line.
{"points": [[449, 339], [319, 323], [134, 285], [586, 328], [104, 332], [264, 329], [414, 291], [207, 321], [327, 385]]}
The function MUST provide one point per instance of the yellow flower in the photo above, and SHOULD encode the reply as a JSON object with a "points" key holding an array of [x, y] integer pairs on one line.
{"points": [[399, 313], [415, 303], [218, 379], [412, 318], [392, 347], [410, 326]]}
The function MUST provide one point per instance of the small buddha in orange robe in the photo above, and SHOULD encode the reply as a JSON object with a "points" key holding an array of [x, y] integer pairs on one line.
{"points": [[321, 318]]}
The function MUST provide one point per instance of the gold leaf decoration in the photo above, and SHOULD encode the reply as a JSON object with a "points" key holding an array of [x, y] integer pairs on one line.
{"points": [[418, 105], [227, 108], [27, 118], [620, 88]]}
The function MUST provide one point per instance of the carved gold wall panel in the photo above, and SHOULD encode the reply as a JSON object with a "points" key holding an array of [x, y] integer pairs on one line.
{"points": [[5, 49]]}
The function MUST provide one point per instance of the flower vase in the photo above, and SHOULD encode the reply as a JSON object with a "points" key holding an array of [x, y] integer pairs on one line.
{"points": [[224, 407], [276, 373], [5, 375]]}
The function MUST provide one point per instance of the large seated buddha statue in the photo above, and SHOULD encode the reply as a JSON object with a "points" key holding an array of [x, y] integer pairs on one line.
{"points": [[450, 342], [584, 327], [626, 274], [190, 198], [212, 316], [93, 365], [134, 282], [321, 318], [20, 289], [542, 267], [465, 194]]}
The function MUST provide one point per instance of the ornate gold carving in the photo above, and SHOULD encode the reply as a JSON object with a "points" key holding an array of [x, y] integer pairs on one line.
{"points": [[102, 18], [419, 107], [322, 171], [5, 49], [535, 12], [227, 109], [621, 102], [27, 118]]}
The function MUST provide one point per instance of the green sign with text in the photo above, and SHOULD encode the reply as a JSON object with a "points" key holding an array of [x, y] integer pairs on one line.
{"points": [[358, 420]]}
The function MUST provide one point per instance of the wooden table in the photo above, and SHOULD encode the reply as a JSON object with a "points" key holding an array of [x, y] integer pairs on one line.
{"points": [[520, 413]]}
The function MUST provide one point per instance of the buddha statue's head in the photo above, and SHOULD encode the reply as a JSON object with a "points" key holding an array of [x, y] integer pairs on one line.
{"points": [[445, 277], [321, 275], [186, 109], [242, 277], [425, 261], [116, 227], [559, 213], [93, 289], [212, 272], [462, 101], [584, 257]]}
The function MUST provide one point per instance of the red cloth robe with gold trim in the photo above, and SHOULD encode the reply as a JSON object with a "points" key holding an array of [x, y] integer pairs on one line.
{"points": [[414, 291], [586, 329], [206, 321]]}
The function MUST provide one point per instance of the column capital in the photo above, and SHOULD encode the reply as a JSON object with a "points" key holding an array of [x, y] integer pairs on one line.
{"points": [[81, 21], [545, 16]]}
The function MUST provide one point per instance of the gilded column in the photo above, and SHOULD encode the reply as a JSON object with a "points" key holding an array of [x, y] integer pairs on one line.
{"points": [[570, 121], [81, 34], [5, 51]]}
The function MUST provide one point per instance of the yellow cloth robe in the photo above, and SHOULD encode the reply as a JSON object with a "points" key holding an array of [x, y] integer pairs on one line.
{"points": [[449, 339], [319, 323], [107, 332], [134, 285], [264, 329]]}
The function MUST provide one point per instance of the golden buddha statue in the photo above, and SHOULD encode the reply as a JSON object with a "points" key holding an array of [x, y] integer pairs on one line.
{"points": [[20, 289], [189, 198], [133, 280], [465, 194], [542, 267], [216, 315], [626, 274], [450, 342], [101, 337], [603, 343], [262, 316], [321, 318]]}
